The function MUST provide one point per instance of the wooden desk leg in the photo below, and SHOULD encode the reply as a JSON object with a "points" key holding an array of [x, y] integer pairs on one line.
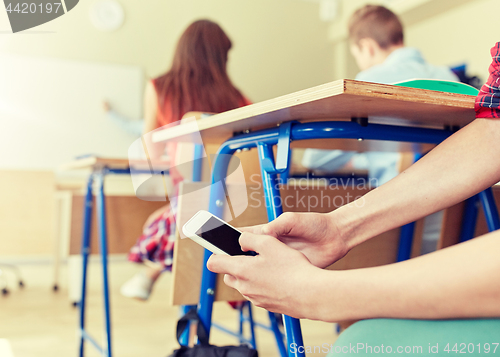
{"points": [[57, 238], [74, 267], [62, 229]]}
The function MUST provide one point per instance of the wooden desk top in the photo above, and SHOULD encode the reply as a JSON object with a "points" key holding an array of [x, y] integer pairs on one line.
{"points": [[338, 100], [91, 162], [95, 161]]}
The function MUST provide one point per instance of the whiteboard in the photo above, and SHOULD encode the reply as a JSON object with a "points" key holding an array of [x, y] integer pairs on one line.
{"points": [[51, 110]]}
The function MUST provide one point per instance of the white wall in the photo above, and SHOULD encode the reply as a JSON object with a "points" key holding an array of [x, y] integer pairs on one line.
{"points": [[463, 34], [51, 110]]}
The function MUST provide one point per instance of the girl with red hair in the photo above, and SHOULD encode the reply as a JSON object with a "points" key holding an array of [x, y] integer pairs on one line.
{"points": [[197, 81]]}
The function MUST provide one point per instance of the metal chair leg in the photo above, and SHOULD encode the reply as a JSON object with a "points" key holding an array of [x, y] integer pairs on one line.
{"points": [[469, 219], [277, 334], [3, 277], [251, 323], [101, 212], [490, 209], [3, 280], [407, 233], [87, 225], [274, 209], [246, 318], [241, 322], [405, 241]]}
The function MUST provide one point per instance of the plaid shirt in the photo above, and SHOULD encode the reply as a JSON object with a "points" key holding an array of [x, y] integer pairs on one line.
{"points": [[488, 100]]}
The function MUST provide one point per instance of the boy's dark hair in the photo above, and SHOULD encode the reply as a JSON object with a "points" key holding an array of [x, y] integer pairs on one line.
{"points": [[378, 23]]}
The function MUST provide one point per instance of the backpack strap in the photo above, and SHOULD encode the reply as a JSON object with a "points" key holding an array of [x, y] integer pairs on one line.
{"points": [[192, 315]]}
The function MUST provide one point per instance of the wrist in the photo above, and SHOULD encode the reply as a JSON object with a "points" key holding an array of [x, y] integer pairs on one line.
{"points": [[348, 222], [314, 297], [342, 295], [329, 297]]}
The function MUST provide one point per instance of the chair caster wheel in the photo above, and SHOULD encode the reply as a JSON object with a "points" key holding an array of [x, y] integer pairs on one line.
{"points": [[21, 284], [5, 291], [55, 287]]}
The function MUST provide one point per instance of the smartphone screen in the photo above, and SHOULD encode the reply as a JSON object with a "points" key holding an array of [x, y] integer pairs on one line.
{"points": [[222, 236]]}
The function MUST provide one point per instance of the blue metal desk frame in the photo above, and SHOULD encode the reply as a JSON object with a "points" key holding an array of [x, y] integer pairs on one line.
{"points": [[97, 175], [264, 140]]}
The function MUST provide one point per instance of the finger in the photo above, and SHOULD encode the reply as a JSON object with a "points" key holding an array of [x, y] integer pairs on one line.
{"points": [[257, 243], [250, 242], [252, 229], [230, 281], [224, 264], [281, 226]]}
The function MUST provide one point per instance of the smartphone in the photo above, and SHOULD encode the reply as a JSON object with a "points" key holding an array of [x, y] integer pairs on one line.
{"points": [[214, 234]]}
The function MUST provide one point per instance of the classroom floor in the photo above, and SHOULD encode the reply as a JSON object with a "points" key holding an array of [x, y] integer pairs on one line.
{"points": [[40, 323]]}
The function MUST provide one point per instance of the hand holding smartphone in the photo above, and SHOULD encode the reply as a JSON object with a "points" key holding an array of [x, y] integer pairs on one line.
{"points": [[214, 234]]}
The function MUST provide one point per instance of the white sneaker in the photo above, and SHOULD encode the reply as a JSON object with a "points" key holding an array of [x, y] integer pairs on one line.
{"points": [[137, 287]]}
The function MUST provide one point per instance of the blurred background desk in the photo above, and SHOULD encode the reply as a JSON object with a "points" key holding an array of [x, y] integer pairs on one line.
{"points": [[125, 217]]}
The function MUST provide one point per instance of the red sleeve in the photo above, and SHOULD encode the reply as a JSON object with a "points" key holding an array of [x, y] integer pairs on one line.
{"points": [[245, 102], [164, 114], [488, 100]]}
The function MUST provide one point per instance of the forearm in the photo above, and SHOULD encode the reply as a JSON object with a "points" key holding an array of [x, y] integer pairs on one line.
{"points": [[458, 168], [457, 282], [133, 127]]}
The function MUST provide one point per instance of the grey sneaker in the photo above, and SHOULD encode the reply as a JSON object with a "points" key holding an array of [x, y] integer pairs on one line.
{"points": [[137, 287]]}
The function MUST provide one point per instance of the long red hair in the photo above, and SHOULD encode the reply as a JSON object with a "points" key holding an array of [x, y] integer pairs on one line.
{"points": [[198, 80]]}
